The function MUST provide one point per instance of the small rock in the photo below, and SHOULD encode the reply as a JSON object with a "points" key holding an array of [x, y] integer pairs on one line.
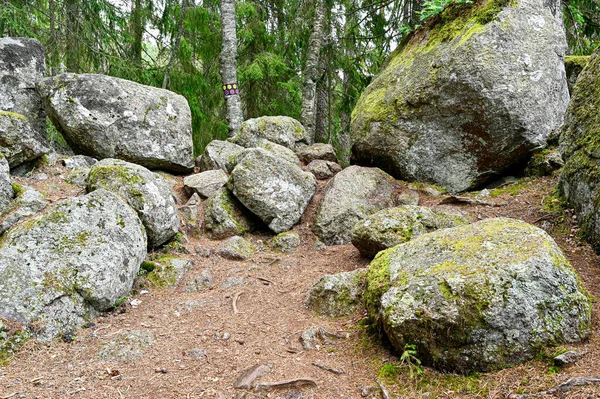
{"points": [[225, 216], [205, 183], [432, 191], [285, 242], [232, 282], [196, 353], [204, 280], [236, 248], [78, 177], [169, 271], [127, 347], [226, 336], [323, 169], [337, 294], [408, 197], [40, 176], [319, 245], [317, 151], [566, 358], [483, 194], [79, 162], [369, 391], [204, 252]]}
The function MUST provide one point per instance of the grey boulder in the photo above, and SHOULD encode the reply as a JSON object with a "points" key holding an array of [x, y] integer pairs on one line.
{"points": [[218, 155], [106, 117], [478, 297], [273, 189], [19, 142], [282, 130], [22, 64], [78, 258], [146, 192], [224, 216], [321, 151], [337, 294], [206, 183], [323, 169], [236, 248], [285, 242], [393, 226], [27, 203], [6, 188], [351, 196], [466, 97]]}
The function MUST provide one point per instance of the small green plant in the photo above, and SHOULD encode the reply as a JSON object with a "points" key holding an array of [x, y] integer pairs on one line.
{"points": [[410, 359], [121, 301], [175, 245], [389, 373], [432, 8]]}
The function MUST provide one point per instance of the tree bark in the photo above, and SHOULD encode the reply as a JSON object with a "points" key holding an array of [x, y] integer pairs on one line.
{"points": [[229, 67], [137, 32], [71, 37], [311, 71], [175, 48]]}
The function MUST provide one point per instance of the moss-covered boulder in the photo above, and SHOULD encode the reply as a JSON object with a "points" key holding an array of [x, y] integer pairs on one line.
{"points": [[27, 202], [22, 64], [59, 269], [393, 226], [107, 117], [573, 66], [218, 155], [273, 189], [278, 150], [337, 294], [478, 297], [351, 196], [6, 189], [285, 242], [146, 192], [466, 96], [236, 248], [544, 162], [166, 271], [323, 170], [580, 147], [225, 216], [282, 130]]}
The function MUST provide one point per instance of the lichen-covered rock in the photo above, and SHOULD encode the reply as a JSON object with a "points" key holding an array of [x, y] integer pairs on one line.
{"points": [[167, 270], [285, 242], [351, 196], [78, 177], [236, 248], [323, 169], [224, 216], [22, 64], [573, 66], [278, 150], [452, 109], [478, 297], [27, 203], [408, 197], [218, 155], [205, 183], [59, 269], [322, 151], [202, 281], [273, 189], [337, 294], [580, 148], [393, 226], [79, 162], [127, 347], [19, 142], [282, 130], [107, 117], [146, 192], [6, 188], [544, 162]]}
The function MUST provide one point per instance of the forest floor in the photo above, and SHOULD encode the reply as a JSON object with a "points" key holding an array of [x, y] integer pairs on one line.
{"points": [[270, 318]]}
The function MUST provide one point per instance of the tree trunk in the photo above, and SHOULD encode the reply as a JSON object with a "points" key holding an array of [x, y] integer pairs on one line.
{"points": [[229, 67], [311, 71], [137, 32], [72, 35], [175, 48]]}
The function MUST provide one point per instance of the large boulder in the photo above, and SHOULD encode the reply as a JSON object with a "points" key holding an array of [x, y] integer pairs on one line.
{"points": [[478, 297], [22, 64], [19, 141], [351, 196], [273, 189], [107, 117], [6, 188], [282, 130], [58, 270], [390, 227], [28, 202], [146, 192], [218, 155], [205, 183], [224, 216], [337, 294], [466, 96], [580, 147]]}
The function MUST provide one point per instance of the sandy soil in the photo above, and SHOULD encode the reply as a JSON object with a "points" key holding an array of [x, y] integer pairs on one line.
{"points": [[266, 329]]}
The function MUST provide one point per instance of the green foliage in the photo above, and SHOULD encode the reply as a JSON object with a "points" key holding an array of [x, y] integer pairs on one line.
{"points": [[409, 359], [435, 7], [175, 245]]}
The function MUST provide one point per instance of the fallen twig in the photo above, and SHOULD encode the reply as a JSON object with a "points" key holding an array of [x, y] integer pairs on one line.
{"points": [[334, 371], [234, 301], [563, 387], [9, 395], [384, 391], [295, 383], [454, 199], [245, 380], [265, 281]]}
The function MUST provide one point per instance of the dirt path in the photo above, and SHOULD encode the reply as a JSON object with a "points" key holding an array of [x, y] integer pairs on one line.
{"points": [[266, 329]]}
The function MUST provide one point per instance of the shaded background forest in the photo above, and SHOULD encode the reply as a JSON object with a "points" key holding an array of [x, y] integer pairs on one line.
{"points": [[176, 44]]}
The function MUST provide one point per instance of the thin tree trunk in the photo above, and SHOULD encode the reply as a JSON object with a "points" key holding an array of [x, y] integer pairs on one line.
{"points": [[229, 67], [311, 71], [52, 48], [175, 49], [71, 37], [137, 32]]}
